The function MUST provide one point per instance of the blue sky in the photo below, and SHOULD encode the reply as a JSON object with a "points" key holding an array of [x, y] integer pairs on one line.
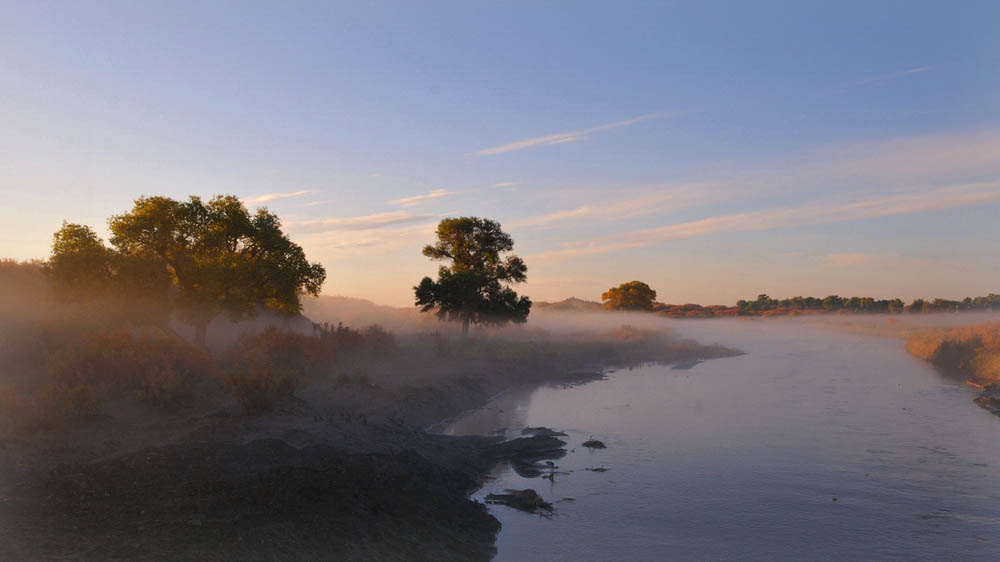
{"points": [[714, 150]]}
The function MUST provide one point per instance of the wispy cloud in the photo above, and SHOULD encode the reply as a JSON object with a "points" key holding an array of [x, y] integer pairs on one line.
{"points": [[317, 203], [364, 222], [567, 136], [850, 258], [889, 76], [369, 242], [416, 199], [627, 205], [965, 195], [506, 184], [268, 197]]}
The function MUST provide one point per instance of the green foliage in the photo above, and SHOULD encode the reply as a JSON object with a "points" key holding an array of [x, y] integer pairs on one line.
{"points": [[80, 263], [83, 271], [634, 295], [832, 303], [475, 287], [220, 258]]}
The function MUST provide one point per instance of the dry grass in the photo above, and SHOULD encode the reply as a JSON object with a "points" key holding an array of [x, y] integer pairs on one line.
{"points": [[266, 368], [973, 350], [160, 371]]}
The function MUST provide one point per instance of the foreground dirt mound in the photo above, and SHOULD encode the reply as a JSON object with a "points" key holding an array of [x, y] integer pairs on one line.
{"points": [[263, 500]]}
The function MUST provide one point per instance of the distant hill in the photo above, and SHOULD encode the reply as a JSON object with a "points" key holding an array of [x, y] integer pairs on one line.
{"points": [[571, 304], [359, 313]]}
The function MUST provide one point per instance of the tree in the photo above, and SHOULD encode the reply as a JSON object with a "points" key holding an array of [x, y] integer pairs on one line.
{"points": [[117, 287], [833, 302], [475, 288], [219, 257], [80, 263], [634, 295]]}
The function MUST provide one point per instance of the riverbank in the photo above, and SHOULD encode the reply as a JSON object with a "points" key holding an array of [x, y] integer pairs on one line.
{"points": [[343, 470], [972, 352]]}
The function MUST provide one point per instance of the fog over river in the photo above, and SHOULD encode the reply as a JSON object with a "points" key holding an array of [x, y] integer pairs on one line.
{"points": [[815, 445]]}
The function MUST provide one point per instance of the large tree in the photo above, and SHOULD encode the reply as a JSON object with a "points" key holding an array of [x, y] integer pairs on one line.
{"points": [[634, 295], [219, 257], [125, 287], [80, 263], [475, 287]]}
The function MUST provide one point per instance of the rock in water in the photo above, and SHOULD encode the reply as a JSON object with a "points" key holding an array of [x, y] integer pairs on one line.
{"points": [[594, 443], [542, 432], [525, 500]]}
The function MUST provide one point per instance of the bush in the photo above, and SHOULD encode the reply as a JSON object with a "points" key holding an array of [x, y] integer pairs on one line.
{"points": [[260, 390], [65, 402], [266, 368], [442, 347], [321, 353], [159, 371]]}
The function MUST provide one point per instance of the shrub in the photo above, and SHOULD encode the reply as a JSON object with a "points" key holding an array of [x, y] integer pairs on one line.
{"points": [[378, 340], [66, 402], [442, 347], [266, 368], [159, 371], [275, 348], [260, 390], [319, 353]]}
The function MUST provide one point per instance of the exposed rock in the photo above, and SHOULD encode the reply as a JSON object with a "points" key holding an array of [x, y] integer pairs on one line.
{"points": [[525, 500], [542, 432], [594, 443], [990, 401]]}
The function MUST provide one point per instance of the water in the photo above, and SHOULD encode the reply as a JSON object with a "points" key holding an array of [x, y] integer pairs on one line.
{"points": [[740, 458]]}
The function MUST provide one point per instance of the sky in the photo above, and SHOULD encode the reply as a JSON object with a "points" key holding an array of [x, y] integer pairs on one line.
{"points": [[715, 150]]}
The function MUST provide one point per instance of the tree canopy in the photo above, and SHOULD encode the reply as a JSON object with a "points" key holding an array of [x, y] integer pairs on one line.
{"points": [[80, 262], [475, 287], [217, 256], [634, 295]]}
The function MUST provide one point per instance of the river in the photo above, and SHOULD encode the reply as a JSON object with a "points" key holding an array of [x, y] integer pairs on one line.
{"points": [[814, 445]]}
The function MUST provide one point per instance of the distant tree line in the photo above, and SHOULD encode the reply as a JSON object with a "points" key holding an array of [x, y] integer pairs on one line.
{"points": [[636, 295], [833, 303]]}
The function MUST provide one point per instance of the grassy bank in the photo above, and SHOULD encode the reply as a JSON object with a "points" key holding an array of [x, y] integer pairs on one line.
{"points": [[971, 351]]}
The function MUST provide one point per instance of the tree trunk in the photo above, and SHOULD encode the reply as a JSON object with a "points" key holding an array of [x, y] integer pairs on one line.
{"points": [[200, 332]]}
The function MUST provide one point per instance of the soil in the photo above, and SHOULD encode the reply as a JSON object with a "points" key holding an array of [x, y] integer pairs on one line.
{"points": [[345, 473]]}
